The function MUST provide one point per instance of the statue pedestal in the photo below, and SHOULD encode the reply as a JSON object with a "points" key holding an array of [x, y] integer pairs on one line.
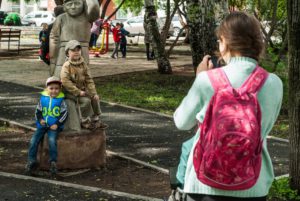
{"points": [[76, 150]]}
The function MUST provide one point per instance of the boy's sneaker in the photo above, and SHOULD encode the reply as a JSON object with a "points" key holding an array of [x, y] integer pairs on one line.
{"points": [[99, 124], [87, 124], [95, 118], [53, 169], [30, 167]]}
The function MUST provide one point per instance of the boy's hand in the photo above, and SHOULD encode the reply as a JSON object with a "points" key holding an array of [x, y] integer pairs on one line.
{"points": [[82, 93], [43, 122], [53, 127], [205, 64], [96, 98]]}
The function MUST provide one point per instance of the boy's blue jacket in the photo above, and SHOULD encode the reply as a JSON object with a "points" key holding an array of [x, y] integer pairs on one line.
{"points": [[52, 110]]}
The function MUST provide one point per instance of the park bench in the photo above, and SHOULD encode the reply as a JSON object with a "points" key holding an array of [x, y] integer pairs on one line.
{"points": [[10, 35]]}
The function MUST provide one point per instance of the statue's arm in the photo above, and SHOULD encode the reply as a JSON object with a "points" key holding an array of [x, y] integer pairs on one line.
{"points": [[93, 10], [54, 40]]}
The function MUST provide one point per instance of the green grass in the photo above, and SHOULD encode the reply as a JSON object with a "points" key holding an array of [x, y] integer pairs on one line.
{"points": [[149, 90], [281, 190], [281, 128], [163, 93], [3, 128], [281, 72]]}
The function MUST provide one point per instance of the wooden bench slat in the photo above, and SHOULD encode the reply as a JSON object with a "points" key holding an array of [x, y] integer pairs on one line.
{"points": [[10, 35]]}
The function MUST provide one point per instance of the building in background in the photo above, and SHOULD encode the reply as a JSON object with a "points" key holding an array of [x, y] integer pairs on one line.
{"points": [[47, 5]]}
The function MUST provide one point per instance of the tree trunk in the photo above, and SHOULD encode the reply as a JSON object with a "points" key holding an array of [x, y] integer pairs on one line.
{"points": [[202, 23], [164, 66], [194, 21], [293, 8]]}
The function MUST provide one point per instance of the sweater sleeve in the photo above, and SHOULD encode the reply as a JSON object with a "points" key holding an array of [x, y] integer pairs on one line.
{"points": [[90, 82], [185, 114], [66, 81], [63, 114], [39, 112]]}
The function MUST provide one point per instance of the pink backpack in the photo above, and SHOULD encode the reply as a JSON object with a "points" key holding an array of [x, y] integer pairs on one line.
{"points": [[228, 153]]}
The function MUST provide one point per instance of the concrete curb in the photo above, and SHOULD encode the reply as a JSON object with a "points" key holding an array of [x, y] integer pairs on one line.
{"points": [[14, 124], [278, 139], [80, 187], [282, 176], [162, 170], [138, 109]]}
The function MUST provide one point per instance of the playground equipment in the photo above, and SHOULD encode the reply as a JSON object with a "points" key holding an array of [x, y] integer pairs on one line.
{"points": [[103, 49]]}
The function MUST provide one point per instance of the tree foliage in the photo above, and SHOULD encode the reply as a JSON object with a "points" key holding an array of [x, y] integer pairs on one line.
{"points": [[134, 6]]}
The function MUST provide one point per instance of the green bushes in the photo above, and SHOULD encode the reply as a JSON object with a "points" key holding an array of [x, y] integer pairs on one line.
{"points": [[281, 191], [12, 19]]}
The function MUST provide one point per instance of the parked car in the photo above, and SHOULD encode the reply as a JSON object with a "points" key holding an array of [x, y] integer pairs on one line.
{"points": [[161, 22], [3, 15], [135, 25], [38, 18], [177, 26], [28, 22]]}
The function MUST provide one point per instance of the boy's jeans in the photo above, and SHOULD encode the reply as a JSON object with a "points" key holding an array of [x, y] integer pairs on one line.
{"points": [[93, 40], [115, 52], [36, 139], [123, 49]]}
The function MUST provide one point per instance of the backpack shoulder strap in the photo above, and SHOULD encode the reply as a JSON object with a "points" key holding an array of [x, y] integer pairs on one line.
{"points": [[218, 79], [255, 81]]}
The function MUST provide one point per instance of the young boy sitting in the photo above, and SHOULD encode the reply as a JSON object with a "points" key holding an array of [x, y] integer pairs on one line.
{"points": [[51, 113], [80, 87]]}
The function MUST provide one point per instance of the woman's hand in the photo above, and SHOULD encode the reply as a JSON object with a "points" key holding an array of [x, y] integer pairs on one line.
{"points": [[205, 64]]}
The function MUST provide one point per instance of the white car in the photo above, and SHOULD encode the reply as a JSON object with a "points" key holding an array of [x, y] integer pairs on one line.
{"points": [[135, 25], [37, 18], [177, 26]]}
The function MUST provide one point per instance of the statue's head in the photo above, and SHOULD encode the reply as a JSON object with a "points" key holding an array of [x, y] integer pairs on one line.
{"points": [[74, 7]]}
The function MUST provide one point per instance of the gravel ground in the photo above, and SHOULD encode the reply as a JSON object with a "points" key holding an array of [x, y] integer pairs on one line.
{"points": [[28, 190]]}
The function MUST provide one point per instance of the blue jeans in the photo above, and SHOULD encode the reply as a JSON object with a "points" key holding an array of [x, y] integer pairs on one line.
{"points": [[123, 49], [36, 139], [93, 40]]}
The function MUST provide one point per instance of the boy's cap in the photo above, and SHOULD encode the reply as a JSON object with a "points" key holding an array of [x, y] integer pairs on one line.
{"points": [[53, 79], [71, 45]]}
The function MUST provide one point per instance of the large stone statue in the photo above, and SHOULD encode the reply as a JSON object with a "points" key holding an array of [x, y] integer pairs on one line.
{"points": [[76, 148], [74, 24]]}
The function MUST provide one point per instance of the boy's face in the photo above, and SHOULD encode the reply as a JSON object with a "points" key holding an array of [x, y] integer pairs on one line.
{"points": [[74, 7], [45, 26], [75, 54], [53, 89]]}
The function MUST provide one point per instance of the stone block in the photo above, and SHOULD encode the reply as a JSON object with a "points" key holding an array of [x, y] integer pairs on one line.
{"points": [[76, 150]]}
